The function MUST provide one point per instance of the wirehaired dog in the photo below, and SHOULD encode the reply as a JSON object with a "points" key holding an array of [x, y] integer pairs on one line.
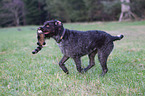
{"points": [[75, 44]]}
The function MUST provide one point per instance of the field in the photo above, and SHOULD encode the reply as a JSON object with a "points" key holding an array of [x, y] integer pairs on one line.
{"points": [[24, 74]]}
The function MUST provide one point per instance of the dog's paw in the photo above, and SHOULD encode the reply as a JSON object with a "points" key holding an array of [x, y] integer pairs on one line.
{"points": [[82, 71], [67, 72]]}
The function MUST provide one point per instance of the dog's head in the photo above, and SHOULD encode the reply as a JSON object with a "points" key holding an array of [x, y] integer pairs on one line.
{"points": [[49, 29]]}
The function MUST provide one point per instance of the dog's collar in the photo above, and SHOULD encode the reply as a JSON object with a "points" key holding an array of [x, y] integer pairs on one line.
{"points": [[63, 33]]}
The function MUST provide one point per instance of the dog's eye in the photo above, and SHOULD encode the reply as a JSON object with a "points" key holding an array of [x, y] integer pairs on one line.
{"points": [[47, 25]]}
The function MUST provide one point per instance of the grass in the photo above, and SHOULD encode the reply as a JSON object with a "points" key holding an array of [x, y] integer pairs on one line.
{"points": [[22, 73]]}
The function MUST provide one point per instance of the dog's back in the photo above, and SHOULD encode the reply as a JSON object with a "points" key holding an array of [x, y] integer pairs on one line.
{"points": [[79, 43]]}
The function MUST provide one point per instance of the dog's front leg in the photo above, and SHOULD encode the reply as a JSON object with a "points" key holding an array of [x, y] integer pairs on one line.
{"points": [[77, 61], [61, 64]]}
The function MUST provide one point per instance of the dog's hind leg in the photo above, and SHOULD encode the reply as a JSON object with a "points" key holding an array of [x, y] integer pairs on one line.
{"points": [[103, 54], [77, 61], [91, 60], [61, 64]]}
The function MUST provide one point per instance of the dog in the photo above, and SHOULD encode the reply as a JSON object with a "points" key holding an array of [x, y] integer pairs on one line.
{"points": [[75, 44]]}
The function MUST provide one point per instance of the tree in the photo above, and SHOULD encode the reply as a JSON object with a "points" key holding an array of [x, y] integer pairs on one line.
{"points": [[94, 9], [12, 12], [35, 13], [138, 7], [111, 10], [77, 10], [57, 9], [66, 10], [126, 13]]}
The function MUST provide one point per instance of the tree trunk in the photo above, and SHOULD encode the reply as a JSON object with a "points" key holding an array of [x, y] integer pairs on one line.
{"points": [[126, 13], [16, 19]]}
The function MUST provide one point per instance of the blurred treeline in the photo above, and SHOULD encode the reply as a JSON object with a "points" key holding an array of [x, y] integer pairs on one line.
{"points": [[33, 12]]}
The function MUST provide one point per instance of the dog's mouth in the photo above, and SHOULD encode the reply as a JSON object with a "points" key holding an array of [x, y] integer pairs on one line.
{"points": [[46, 33], [41, 32]]}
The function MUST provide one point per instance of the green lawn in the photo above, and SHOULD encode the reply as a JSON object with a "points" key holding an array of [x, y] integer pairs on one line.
{"points": [[24, 74]]}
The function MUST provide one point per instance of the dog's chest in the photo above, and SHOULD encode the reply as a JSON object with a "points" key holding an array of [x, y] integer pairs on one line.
{"points": [[61, 46], [65, 48]]}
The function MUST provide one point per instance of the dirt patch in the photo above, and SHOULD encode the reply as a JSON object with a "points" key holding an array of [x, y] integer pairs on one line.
{"points": [[2, 53]]}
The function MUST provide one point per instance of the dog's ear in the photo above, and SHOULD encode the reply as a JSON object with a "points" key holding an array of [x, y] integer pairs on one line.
{"points": [[58, 23]]}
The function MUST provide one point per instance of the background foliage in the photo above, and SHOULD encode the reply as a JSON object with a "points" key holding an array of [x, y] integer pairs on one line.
{"points": [[28, 12]]}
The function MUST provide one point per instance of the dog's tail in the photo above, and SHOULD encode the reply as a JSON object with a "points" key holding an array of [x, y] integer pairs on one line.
{"points": [[118, 37], [37, 50]]}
